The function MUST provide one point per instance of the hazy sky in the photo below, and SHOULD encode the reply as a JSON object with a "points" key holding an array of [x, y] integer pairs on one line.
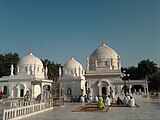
{"points": [[59, 29]]}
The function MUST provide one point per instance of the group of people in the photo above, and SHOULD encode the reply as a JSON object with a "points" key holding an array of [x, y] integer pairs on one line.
{"points": [[127, 101]]}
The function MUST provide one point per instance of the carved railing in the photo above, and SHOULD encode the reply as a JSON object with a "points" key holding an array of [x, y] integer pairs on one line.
{"points": [[17, 112]]}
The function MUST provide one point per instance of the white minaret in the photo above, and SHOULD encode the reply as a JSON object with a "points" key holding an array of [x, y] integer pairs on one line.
{"points": [[12, 69], [60, 71]]}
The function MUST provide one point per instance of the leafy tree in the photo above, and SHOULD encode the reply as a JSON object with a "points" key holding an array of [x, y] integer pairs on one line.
{"points": [[53, 69], [6, 60], [147, 68]]}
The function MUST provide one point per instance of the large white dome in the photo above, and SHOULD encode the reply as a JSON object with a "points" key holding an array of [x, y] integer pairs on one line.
{"points": [[103, 52], [72, 64], [31, 60], [104, 57]]}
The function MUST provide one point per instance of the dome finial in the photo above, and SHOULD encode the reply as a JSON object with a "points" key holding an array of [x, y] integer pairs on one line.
{"points": [[30, 50], [102, 40]]}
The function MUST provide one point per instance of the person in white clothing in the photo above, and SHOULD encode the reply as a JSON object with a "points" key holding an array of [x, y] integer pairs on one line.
{"points": [[131, 102], [82, 98], [108, 100]]}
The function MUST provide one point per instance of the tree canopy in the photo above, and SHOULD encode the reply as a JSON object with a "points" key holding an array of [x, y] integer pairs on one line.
{"points": [[53, 69], [146, 69]]}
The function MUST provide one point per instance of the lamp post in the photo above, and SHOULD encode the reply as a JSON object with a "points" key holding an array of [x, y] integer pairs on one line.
{"points": [[125, 86]]}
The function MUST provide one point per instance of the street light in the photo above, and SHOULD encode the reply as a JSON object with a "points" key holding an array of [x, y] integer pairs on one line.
{"points": [[125, 86]]}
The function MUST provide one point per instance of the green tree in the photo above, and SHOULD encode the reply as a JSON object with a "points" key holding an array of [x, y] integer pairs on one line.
{"points": [[6, 60], [53, 69], [147, 68]]}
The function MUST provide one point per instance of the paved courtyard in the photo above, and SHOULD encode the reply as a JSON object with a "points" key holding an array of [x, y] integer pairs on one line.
{"points": [[148, 110]]}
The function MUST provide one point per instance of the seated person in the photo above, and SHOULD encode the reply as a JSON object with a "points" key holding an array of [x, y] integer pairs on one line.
{"points": [[108, 100], [95, 98], [82, 99], [100, 103], [131, 102], [125, 100], [119, 101]]}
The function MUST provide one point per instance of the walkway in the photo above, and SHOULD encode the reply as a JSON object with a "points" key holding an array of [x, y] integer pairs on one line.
{"points": [[148, 110]]}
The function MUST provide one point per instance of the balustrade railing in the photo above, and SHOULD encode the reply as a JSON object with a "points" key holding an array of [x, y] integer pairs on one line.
{"points": [[27, 108]]}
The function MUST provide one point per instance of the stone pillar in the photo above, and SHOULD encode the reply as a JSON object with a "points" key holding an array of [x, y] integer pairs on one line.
{"points": [[130, 86], [144, 89], [41, 91], [18, 69], [100, 89], [140, 91]]}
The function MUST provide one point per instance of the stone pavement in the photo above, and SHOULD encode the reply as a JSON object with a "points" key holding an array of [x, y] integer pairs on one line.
{"points": [[148, 110]]}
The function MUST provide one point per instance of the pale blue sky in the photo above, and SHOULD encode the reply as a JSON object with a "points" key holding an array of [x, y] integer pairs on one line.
{"points": [[59, 29]]}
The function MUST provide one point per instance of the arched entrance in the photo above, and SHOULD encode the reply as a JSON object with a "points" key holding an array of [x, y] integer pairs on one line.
{"points": [[103, 87], [104, 91], [46, 92]]}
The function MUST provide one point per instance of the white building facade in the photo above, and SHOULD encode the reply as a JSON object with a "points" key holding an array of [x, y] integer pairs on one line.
{"points": [[103, 70], [31, 78], [103, 73], [72, 80]]}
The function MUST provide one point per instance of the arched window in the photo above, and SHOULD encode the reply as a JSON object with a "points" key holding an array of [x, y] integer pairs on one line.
{"points": [[21, 93], [5, 90], [69, 91]]}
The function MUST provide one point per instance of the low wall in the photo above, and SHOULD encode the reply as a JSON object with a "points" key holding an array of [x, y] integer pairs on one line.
{"points": [[24, 111]]}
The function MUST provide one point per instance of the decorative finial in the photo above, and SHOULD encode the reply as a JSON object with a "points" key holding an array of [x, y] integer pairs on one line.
{"points": [[30, 50], [102, 40]]}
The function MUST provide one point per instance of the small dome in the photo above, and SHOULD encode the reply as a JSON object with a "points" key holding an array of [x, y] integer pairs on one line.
{"points": [[31, 60], [72, 64], [103, 52]]}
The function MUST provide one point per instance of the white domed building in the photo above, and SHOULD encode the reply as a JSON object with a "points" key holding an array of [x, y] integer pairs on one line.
{"points": [[103, 70], [31, 77], [72, 80]]}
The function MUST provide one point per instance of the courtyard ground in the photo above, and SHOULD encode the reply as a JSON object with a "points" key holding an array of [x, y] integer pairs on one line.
{"points": [[148, 110]]}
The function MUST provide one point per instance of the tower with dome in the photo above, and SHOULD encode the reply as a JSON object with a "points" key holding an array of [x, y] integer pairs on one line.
{"points": [[31, 78]]}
